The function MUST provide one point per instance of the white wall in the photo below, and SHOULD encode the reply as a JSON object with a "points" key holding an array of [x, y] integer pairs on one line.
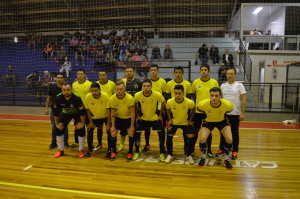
{"points": [[277, 28]]}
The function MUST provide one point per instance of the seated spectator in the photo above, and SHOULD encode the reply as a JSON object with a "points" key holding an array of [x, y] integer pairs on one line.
{"points": [[143, 70], [48, 51], [214, 54], [228, 59], [66, 67], [116, 47], [113, 33], [106, 43], [46, 81], [93, 40], [33, 83], [84, 44], [61, 54], [203, 54], [124, 49], [126, 32], [127, 56], [106, 32], [155, 53], [222, 74], [92, 51], [99, 63], [168, 54], [142, 41], [120, 32], [74, 43], [136, 57], [79, 57], [133, 47], [10, 76], [56, 48], [108, 61], [66, 41]]}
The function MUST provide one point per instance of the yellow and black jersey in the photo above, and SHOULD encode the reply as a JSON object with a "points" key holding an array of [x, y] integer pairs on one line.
{"points": [[132, 87], [109, 87], [73, 105], [122, 105], [148, 104], [171, 85], [98, 107], [180, 111]]}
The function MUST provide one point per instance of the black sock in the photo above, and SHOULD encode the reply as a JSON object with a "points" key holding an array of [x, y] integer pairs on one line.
{"points": [[203, 147], [76, 136], [90, 137], [185, 140], [113, 143], [194, 141], [99, 135], [108, 141], [131, 142], [147, 137], [208, 141], [161, 136], [227, 148], [137, 141], [189, 146], [170, 145]]}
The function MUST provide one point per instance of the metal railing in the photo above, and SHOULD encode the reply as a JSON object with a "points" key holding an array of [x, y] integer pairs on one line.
{"points": [[245, 61]]}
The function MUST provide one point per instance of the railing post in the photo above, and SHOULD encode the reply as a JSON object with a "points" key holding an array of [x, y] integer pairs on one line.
{"points": [[270, 96], [282, 94]]}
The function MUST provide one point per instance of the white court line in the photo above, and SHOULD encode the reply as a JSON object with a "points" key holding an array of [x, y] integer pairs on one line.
{"points": [[26, 168], [74, 191]]}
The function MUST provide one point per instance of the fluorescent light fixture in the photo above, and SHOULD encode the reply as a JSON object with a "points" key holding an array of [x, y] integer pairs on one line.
{"points": [[257, 10], [273, 22], [16, 39]]}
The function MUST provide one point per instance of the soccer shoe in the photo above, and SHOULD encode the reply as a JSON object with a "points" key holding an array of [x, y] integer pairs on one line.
{"points": [[169, 159], [146, 149], [227, 164], [234, 155], [66, 146], [162, 157], [210, 154], [113, 156], [74, 145], [190, 160], [219, 153], [129, 157], [88, 154], [58, 154], [107, 157], [98, 147], [121, 148], [136, 156], [201, 162], [81, 154], [52, 146]]}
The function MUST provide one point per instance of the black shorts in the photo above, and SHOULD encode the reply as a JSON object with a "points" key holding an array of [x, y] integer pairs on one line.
{"points": [[66, 118], [123, 125], [187, 129], [198, 120], [143, 125], [218, 125], [99, 122]]}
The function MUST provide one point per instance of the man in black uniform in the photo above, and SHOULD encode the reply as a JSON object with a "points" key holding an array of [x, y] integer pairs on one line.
{"points": [[68, 105], [54, 90]]}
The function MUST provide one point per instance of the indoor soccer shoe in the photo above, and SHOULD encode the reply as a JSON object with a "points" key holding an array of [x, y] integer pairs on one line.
{"points": [[113, 156], [220, 153], [201, 162], [52, 146], [136, 156], [66, 146], [129, 157], [81, 154], [98, 147], [227, 164], [169, 159], [58, 154], [121, 148], [146, 149], [162, 157], [107, 157], [88, 154], [234, 155], [190, 160], [210, 154]]}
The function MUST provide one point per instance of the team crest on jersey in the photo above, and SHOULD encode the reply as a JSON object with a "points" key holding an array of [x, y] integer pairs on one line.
{"points": [[117, 104], [143, 101], [136, 86], [209, 111], [92, 102], [175, 107], [199, 86]]}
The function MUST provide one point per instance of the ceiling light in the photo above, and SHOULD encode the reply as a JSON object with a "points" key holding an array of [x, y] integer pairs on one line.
{"points": [[257, 10]]}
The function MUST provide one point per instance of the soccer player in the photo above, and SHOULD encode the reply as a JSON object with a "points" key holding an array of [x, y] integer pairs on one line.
{"points": [[82, 88], [54, 90], [159, 85], [215, 109], [132, 85], [107, 86], [180, 111], [235, 93], [122, 118], [146, 102], [178, 80], [200, 89], [98, 112], [67, 106]]}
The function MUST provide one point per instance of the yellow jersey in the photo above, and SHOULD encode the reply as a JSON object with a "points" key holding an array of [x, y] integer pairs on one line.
{"points": [[180, 111], [98, 107], [82, 89], [109, 87], [186, 85], [159, 85], [122, 106]]}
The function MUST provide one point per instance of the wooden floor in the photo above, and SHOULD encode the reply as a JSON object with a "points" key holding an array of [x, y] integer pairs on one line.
{"points": [[268, 166]]}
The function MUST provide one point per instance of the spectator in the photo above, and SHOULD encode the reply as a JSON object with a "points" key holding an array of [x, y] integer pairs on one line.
{"points": [[66, 67], [222, 74], [99, 63], [11, 76], [256, 32], [56, 48], [203, 54], [133, 47], [92, 51], [46, 81], [228, 59], [61, 54], [168, 54], [48, 51], [124, 48], [33, 83], [116, 47], [127, 56], [106, 32], [106, 43], [73, 45], [108, 61], [84, 44], [144, 69], [66, 40], [120, 32], [142, 41], [79, 56], [155, 53], [214, 54]]}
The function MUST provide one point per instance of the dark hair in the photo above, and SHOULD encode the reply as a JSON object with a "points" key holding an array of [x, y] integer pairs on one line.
{"points": [[81, 69], [120, 82], [147, 81], [59, 73], [206, 66], [127, 67], [179, 87], [232, 69], [95, 85], [216, 89], [66, 84], [154, 66], [178, 68], [103, 71]]}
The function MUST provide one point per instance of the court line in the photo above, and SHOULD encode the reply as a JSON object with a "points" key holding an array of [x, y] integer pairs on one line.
{"points": [[26, 168], [74, 191]]}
